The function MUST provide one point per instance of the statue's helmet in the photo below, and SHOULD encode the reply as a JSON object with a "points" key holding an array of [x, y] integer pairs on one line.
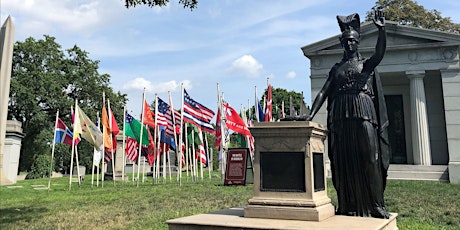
{"points": [[350, 34], [350, 26]]}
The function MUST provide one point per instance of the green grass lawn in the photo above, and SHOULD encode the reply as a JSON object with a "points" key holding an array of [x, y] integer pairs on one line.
{"points": [[420, 205]]}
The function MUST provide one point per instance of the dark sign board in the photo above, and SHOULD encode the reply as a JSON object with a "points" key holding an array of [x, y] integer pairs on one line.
{"points": [[238, 160], [282, 172], [318, 172]]}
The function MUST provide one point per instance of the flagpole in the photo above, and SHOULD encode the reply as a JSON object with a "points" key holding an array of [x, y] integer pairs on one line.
{"points": [[140, 139], [224, 136], [185, 131], [173, 117], [76, 158], [156, 137], [124, 147], [169, 166], [195, 160], [157, 152], [99, 153], [164, 163], [94, 155], [73, 146], [52, 149], [187, 151], [181, 133], [134, 162], [249, 112], [78, 165], [199, 160], [112, 144], [193, 156], [103, 145], [221, 146], [207, 155], [159, 142]]}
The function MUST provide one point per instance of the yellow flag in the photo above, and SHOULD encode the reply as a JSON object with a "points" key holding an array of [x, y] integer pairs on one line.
{"points": [[87, 129], [76, 124]]}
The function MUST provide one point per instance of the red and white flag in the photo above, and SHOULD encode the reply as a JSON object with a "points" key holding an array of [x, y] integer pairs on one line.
{"points": [[131, 149], [234, 121], [268, 105]]}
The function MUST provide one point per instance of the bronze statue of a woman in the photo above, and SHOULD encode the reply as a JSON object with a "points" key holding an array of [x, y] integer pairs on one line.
{"points": [[357, 122]]}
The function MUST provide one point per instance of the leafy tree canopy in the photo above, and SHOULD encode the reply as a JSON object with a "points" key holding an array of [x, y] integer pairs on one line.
{"points": [[408, 12], [191, 4], [46, 79], [279, 96]]}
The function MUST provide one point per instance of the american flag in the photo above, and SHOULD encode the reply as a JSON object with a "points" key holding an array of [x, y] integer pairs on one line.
{"points": [[197, 114], [163, 108], [131, 149], [172, 123]]}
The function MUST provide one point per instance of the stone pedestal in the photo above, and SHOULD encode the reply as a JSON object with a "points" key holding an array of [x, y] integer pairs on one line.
{"points": [[289, 172], [119, 158], [289, 186], [231, 219], [11, 150]]}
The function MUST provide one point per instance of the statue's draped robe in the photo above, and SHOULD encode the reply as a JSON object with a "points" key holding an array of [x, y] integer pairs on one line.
{"points": [[357, 139]]}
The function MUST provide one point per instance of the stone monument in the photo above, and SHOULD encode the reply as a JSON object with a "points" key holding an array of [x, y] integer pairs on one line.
{"points": [[6, 58], [12, 150], [289, 172], [290, 190]]}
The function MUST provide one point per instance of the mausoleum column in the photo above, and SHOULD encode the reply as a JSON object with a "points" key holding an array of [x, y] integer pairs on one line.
{"points": [[419, 120]]}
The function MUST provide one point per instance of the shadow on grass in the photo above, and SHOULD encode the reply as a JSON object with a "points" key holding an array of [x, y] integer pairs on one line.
{"points": [[26, 214]]}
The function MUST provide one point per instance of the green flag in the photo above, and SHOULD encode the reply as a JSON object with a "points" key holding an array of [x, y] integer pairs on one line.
{"points": [[133, 129], [242, 140], [192, 128]]}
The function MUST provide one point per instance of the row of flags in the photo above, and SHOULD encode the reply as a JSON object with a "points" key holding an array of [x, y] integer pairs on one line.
{"points": [[167, 125]]}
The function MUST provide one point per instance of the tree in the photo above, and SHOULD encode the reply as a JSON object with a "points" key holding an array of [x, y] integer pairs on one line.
{"points": [[408, 12], [279, 96], [46, 79], [160, 3]]}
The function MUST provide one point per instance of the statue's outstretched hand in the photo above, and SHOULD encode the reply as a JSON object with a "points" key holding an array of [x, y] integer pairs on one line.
{"points": [[379, 18]]}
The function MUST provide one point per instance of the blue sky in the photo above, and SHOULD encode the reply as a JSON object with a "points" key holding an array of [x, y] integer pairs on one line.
{"points": [[236, 43]]}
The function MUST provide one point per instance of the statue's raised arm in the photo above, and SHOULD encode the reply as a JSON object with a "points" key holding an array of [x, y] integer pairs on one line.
{"points": [[380, 47]]}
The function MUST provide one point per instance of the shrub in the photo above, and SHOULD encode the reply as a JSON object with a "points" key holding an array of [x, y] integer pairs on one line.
{"points": [[40, 168]]}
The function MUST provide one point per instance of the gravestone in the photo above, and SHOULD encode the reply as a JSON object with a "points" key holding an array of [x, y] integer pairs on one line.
{"points": [[289, 172], [6, 58]]}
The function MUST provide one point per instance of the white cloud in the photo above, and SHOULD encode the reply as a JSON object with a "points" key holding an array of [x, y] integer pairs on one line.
{"points": [[161, 87], [83, 17], [246, 65], [291, 74], [138, 83]]}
